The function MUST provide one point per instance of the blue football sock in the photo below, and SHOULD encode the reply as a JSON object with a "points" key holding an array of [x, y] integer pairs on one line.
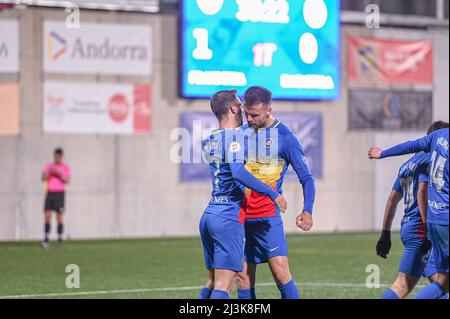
{"points": [[444, 296], [219, 294], [389, 294], [246, 293], [205, 293], [430, 291], [289, 291]]}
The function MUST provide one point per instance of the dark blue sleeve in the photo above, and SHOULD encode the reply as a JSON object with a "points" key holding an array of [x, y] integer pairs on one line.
{"points": [[295, 157], [422, 144], [397, 186], [423, 174], [235, 158], [241, 175]]}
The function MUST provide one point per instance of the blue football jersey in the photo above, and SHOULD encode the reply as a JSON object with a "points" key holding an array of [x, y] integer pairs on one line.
{"points": [[267, 158], [436, 144], [224, 151], [410, 175], [225, 190]]}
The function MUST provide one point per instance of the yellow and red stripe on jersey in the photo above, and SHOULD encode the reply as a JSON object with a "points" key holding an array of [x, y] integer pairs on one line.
{"points": [[257, 205]]}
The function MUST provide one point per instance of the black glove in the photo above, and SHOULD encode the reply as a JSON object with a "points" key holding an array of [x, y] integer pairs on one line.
{"points": [[426, 245], [384, 244]]}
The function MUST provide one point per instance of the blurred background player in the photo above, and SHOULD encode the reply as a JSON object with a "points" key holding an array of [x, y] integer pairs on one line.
{"points": [[56, 175], [265, 236], [221, 225], [436, 144], [411, 185]]}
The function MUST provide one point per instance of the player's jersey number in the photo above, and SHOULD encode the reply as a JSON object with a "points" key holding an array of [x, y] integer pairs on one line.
{"points": [[407, 185], [437, 171]]}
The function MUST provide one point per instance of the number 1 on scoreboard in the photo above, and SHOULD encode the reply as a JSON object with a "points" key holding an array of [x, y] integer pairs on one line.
{"points": [[201, 52]]}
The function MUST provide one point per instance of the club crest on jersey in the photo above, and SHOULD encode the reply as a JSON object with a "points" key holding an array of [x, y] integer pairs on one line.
{"points": [[235, 147], [268, 142]]}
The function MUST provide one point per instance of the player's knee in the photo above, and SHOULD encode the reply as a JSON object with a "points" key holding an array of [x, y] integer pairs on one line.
{"points": [[434, 277], [282, 276], [221, 284], [443, 281], [243, 281], [402, 286], [48, 216], [280, 271], [209, 284]]}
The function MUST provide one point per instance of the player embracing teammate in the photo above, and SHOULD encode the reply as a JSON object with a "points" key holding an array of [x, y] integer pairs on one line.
{"points": [[265, 236], [222, 223], [250, 194]]}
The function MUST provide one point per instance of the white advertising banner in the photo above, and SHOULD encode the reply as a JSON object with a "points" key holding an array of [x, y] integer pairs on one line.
{"points": [[126, 5], [76, 107], [97, 48], [9, 46]]}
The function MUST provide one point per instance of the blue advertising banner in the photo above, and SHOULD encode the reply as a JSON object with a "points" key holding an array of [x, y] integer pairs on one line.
{"points": [[307, 126]]}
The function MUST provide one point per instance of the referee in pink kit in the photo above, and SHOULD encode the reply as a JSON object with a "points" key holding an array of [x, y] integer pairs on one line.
{"points": [[56, 175]]}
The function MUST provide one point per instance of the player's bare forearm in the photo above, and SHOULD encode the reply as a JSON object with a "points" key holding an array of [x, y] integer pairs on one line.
{"points": [[422, 200], [390, 210]]}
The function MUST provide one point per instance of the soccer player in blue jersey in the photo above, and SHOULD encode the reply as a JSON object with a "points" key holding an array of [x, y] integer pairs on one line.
{"points": [[411, 185], [436, 144], [265, 236], [221, 226]]}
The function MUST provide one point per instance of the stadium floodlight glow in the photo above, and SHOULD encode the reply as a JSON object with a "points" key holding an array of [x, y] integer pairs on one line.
{"points": [[291, 47]]}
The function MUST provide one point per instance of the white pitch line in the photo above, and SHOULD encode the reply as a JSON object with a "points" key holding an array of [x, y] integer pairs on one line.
{"points": [[99, 292], [107, 292]]}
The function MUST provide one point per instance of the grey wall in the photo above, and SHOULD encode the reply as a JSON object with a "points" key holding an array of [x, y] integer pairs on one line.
{"points": [[126, 186]]}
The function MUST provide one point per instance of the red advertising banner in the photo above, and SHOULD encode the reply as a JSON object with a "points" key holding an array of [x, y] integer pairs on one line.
{"points": [[142, 109], [390, 61]]}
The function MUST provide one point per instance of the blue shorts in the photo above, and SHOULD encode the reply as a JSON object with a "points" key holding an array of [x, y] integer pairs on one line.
{"points": [[223, 242], [265, 238], [413, 261], [439, 241], [430, 269]]}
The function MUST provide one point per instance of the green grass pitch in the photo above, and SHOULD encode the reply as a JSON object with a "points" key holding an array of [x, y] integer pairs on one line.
{"points": [[323, 265]]}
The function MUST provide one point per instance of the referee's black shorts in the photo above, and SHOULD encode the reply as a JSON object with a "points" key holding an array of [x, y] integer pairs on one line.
{"points": [[54, 201]]}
